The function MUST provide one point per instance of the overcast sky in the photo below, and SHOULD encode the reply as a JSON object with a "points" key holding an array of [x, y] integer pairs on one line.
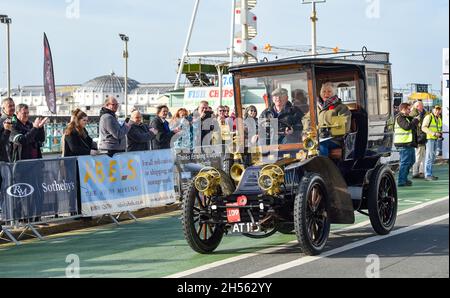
{"points": [[87, 45]]}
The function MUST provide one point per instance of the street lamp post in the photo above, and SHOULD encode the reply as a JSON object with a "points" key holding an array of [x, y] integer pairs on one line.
{"points": [[125, 39], [314, 20], [4, 19]]}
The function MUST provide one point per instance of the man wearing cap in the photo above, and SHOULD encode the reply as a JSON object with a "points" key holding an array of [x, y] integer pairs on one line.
{"points": [[432, 126], [289, 117], [418, 168]]}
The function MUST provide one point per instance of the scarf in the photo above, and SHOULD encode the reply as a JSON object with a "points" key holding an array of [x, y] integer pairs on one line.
{"points": [[330, 102]]}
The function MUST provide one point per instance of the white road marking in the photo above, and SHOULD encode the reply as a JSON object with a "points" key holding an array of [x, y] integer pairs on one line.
{"points": [[289, 244], [309, 259], [406, 211], [231, 260]]}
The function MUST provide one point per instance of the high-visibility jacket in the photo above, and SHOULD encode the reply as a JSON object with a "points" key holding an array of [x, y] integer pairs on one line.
{"points": [[402, 136], [435, 126]]}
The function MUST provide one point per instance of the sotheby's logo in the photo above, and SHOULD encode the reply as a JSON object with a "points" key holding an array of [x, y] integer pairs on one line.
{"points": [[20, 190]]}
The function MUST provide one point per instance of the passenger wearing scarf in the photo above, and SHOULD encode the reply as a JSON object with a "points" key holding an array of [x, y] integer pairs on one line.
{"points": [[331, 105]]}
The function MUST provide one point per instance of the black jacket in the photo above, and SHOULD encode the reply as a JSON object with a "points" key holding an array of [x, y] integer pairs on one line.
{"points": [[5, 144], [163, 137], [291, 116], [139, 137], [403, 122], [421, 136], [25, 139], [76, 145]]}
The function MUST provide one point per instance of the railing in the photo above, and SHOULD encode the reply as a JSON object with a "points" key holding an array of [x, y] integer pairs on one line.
{"points": [[55, 131]]}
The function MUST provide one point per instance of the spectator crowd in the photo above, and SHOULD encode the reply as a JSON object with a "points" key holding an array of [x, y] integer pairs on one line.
{"points": [[417, 132]]}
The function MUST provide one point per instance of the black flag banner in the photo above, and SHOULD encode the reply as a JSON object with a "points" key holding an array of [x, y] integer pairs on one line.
{"points": [[49, 77]]}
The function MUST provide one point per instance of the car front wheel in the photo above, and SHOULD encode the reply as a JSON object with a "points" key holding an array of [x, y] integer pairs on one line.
{"points": [[202, 236], [311, 222]]}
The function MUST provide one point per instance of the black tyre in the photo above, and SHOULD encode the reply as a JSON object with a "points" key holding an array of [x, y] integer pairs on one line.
{"points": [[311, 222], [260, 235], [201, 237], [382, 200]]}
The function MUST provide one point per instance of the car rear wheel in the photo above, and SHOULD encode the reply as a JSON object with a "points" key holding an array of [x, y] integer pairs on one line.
{"points": [[203, 237], [382, 200], [311, 222]]}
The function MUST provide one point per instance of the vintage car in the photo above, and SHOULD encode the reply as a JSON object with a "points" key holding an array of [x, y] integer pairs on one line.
{"points": [[287, 186]]}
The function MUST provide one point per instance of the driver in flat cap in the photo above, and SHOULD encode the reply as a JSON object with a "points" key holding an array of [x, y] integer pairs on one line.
{"points": [[289, 117]]}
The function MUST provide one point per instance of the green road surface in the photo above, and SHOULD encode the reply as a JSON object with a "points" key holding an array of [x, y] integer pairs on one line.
{"points": [[155, 247]]}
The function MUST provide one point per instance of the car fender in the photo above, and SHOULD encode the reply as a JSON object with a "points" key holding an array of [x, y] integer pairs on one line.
{"points": [[340, 205]]}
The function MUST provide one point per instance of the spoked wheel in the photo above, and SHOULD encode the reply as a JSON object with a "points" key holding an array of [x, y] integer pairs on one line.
{"points": [[203, 237], [311, 222], [382, 200]]}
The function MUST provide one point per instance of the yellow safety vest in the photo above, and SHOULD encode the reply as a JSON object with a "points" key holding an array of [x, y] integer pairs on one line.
{"points": [[435, 126], [402, 136]]}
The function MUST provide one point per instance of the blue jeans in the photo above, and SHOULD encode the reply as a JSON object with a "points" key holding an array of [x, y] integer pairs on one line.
{"points": [[430, 157], [324, 147], [407, 160]]}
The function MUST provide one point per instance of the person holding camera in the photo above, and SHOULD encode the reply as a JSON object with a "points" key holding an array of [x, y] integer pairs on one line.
{"points": [[27, 137], [203, 123], [432, 126], [6, 121]]}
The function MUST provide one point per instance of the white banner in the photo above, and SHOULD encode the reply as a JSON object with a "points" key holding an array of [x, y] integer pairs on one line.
{"points": [[126, 182]]}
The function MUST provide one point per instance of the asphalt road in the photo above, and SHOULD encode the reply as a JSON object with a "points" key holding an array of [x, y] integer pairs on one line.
{"points": [[155, 247], [418, 247]]}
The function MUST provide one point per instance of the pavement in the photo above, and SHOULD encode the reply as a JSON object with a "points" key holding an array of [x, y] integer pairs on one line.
{"points": [[155, 247]]}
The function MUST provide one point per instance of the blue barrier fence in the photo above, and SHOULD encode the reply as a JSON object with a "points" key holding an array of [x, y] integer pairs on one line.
{"points": [[95, 185]]}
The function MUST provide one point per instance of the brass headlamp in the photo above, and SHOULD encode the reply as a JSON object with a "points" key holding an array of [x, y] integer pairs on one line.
{"points": [[310, 143], [270, 179], [207, 181]]}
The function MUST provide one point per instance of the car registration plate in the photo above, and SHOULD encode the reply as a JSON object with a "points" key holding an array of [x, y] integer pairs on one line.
{"points": [[245, 227]]}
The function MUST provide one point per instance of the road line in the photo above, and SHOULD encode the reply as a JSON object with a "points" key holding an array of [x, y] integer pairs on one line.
{"points": [[230, 260], [289, 244], [309, 259], [406, 211]]}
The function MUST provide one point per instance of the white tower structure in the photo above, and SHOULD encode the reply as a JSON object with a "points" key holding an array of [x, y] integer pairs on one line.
{"points": [[243, 29]]}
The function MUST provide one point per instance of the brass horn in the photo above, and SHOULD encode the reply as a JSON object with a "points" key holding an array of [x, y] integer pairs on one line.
{"points": [[237, 171]]}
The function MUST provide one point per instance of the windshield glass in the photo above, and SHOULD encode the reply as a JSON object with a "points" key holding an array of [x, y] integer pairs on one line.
{"points": [[275, 107]]}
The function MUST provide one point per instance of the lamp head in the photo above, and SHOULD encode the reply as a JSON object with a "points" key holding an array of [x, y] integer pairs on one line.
{"points": [[4, 19], [124, 37]]}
